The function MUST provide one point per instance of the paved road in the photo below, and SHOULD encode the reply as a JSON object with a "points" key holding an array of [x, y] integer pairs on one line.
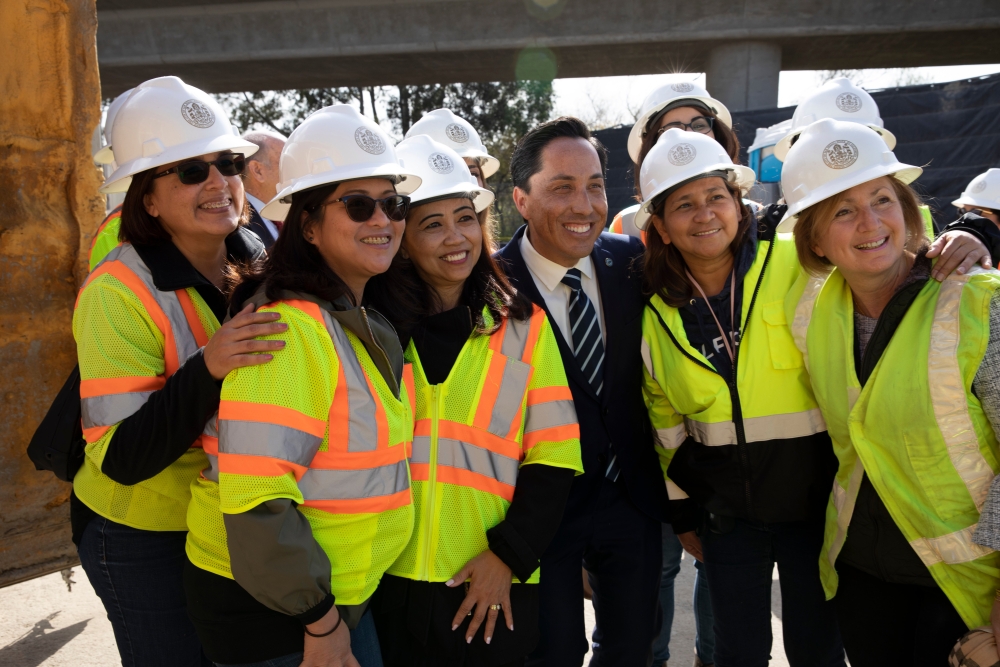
{"points": [[44, 625]]}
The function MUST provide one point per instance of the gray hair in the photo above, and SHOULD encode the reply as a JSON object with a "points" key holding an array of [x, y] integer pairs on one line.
{"points": [[263, 139]]}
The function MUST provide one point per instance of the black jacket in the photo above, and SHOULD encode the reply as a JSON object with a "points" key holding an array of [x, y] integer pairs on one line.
{"points": [[258, 227], [619, 415]]}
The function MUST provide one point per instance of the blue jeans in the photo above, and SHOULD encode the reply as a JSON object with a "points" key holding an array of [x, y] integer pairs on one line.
{"points": [[704, 642], [739, 560], [364, 646], [137, 575]]}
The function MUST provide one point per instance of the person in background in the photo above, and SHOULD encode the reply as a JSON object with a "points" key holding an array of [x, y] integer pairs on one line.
{"points": [[450, 129], [306, 500], [982, 196], [152, 353], [496, 443], [899, 555], [587, 284], [261, 181]]}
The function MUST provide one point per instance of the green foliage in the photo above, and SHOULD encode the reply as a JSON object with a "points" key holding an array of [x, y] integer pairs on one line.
{"points": [[501, 112]]}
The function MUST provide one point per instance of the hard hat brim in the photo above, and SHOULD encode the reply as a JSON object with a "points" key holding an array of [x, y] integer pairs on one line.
{"points": [[489, 164], [967, 200], [636, 133], [277, 208], [784, 145], [742, 177], [122, 178], [105, 155], [904, 173], [482, 198]]}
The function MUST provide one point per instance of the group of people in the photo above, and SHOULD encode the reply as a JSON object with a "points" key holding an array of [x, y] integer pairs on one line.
{"points": [[329, 422]]}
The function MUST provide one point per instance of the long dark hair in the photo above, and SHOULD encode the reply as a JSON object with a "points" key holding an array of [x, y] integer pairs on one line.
{"points": [[405, 299], [720, 131], [663, 266], [292, 262]]}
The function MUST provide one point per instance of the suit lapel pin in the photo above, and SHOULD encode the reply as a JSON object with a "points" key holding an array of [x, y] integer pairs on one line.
{"points": [[608, 261]]}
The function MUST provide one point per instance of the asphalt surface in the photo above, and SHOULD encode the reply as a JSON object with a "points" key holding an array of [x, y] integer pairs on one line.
{"points": [[42, 624]]}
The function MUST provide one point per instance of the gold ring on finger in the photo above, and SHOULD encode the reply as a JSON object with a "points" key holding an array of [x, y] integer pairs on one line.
{"points": [[495, 607]]}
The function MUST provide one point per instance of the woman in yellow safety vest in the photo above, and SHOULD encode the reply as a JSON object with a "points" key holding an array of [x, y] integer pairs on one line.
{"points": [[904, 369], [496, 441], [306, 499], [152, 353], [748, 469]]}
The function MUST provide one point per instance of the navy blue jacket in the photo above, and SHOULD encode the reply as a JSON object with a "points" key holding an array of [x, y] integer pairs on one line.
{"points": [[619, 415]]}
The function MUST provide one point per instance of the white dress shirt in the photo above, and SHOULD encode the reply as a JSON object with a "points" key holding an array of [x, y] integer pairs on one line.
{"points": [[548, 279], [259, 205]]}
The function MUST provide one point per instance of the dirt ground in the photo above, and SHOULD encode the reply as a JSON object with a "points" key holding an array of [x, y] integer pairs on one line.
{"points": [[42, 624]]}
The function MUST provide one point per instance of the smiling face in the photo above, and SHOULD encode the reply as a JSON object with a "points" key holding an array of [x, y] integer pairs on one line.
{"points": [[565, 205], [865, 235], [476, 170], [356, 251], [200, 211], [444, 241], [700, 219]]}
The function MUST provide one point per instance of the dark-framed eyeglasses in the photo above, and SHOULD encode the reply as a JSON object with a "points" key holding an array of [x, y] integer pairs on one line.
{"points": [[192, 172], [361, 208], [699, 124]]}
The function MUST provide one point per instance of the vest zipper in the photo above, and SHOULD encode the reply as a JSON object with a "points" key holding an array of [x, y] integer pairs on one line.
{"points": [[429, 510], [734, 394], [378, 346]]}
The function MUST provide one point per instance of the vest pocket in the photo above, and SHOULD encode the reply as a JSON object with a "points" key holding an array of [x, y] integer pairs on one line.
{"points": [[781, 345]]}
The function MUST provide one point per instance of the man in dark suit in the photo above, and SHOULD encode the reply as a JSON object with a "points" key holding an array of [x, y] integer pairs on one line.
{"points": [[261, 182], [589, 284]]}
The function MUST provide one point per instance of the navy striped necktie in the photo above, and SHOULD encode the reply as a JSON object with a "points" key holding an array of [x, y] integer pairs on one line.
{"points": [[588, 345]]}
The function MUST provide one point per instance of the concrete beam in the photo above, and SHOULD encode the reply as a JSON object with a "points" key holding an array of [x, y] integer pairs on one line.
{"points": [[228, 46], [744, 75]]}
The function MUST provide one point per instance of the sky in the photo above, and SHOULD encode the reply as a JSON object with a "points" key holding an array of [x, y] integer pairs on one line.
{"points": [[615, 99]]}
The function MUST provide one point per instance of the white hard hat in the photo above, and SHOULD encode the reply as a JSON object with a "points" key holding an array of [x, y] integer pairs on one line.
{"points": [[667, 95], [982, 191], [832, 156], [841, 100], [165, 120], [442, 172], [678, 157], [456, 133], [105, 155], [335, 144]]}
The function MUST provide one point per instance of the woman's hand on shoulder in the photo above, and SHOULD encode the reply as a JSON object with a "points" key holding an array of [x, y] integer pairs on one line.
{"points": [[959, 252], [234, 345], [490, 585], [333, 650]]}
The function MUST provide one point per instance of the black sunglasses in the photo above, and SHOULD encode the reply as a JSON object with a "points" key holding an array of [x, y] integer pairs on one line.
{"points": [[700, 124], [192, 172], [361, 208]]}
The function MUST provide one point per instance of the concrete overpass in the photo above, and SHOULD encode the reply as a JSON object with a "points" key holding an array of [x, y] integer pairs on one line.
{"points": [[234, 45]]}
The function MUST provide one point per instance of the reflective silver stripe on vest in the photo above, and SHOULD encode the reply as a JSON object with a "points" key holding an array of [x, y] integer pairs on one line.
{"points": [[671, 438], [362, 429], [951, 549], [549, 415], [271, 440], [803, 314], [758, 429], [515, 338], [466, 456], [183, 338], [844, 502], [322, 484], [510, 397], [111, 408], [948, 394], [211, 473]]}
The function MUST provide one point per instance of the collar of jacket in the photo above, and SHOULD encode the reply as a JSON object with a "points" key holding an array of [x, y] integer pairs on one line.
{"points": [[375, 332], [171, 270]]}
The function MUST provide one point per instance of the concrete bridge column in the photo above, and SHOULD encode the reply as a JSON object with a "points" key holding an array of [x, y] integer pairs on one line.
{"points": [[744, 75]]}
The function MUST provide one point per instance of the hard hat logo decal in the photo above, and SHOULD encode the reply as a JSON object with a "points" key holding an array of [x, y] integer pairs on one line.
{"points": [[369, 141], [840, 154], [198, 114], [848, 102], [681, 154], [440, 163], [682, 87], [978, 187], [456, 133]]}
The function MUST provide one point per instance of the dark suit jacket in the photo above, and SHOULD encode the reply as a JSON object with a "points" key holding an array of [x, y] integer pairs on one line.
{"points": [[258, 227], [619, 415]]}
